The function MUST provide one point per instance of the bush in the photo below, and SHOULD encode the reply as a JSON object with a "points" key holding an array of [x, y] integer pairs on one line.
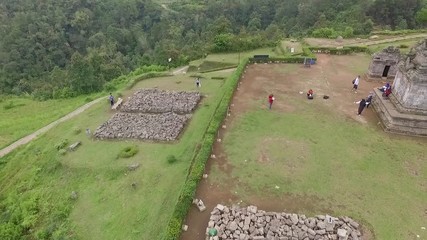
{"points": [[171, 159], [65, 92], [128, 152], [62, 151], [76, 131], [110, 87], [88, 99], [325, 33], [403, 46], [61, 144], [119, 94]]}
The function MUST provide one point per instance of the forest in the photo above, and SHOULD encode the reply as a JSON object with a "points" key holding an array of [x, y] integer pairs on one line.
{"points": [[63, 48]]}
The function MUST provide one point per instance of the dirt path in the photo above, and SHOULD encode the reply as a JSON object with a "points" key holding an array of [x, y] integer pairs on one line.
{"points": [[182, 70], [46, 128]]}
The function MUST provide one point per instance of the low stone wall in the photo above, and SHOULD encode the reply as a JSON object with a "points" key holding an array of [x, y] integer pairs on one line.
{"points": [[253, 224], [160, 101], [158, 127]]}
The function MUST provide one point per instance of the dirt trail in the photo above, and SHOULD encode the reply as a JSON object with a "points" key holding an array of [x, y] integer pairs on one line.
{"points": [[182, 70], [46, 128]]}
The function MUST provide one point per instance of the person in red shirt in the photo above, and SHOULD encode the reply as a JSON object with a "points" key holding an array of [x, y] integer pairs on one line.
{"points": [[270, 100], [310, 94]]}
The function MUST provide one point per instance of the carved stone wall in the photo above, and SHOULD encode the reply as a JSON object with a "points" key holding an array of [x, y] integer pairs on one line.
{"points": [[410, 83]]}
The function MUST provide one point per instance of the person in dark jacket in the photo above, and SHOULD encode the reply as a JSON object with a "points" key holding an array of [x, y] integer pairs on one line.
{"points": [[369, 99], [362, 105]]}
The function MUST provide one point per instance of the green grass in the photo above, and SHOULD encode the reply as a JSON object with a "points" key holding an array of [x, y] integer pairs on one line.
{"points": [[210, 66], [408, 43], [36, 181], [349, 168], [233, 58], [287, 45], [22, 116]]}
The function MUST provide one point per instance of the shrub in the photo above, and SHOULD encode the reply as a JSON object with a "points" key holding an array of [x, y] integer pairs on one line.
{"points": [[110, 87], [62, 152], [171, 159], [119, 94], [88, 99], [403, 46], [77, 130], [128, 152], [325, 33], [61, 144]]}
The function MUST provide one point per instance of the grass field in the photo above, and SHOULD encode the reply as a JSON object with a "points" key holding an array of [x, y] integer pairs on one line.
{"points": [[233, 58], [113, 203], [327, 163], [22, 116]]}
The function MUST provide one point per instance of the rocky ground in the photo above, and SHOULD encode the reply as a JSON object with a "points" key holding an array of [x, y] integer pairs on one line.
{"points": [[253, 224], [158, 127], [161, 101]]}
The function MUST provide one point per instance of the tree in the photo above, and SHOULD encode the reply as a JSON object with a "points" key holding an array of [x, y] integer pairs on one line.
{"points": [[223, 42], [421, 16], [81, 75]]}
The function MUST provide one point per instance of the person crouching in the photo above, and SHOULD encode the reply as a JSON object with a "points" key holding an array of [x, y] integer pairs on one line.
{"points": [[310, 94]]}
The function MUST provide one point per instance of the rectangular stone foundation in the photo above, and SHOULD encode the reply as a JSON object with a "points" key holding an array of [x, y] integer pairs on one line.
{"points": [[398, 122]]}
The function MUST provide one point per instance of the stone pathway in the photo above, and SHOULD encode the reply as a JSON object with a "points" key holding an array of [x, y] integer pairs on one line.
{"points": [[46, 128]]}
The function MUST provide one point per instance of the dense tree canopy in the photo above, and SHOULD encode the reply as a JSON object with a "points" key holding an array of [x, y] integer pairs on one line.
{"points": [[60, 48]]}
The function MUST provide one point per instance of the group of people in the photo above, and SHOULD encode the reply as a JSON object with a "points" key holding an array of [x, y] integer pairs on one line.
{"points": [[386, 89], [365, 102]]}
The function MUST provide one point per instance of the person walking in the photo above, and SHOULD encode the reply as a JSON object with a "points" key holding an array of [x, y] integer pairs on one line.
{"points": [[362, 105], [111, 98], [270, 100], [198, 83], [356, 83]]}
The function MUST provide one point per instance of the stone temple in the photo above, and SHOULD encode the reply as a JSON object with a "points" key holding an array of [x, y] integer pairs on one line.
{"points": [[384, 63], [405, 111]]}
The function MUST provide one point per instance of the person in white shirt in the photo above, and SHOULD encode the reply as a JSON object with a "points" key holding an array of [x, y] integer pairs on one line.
{"points": [[356, 83]]}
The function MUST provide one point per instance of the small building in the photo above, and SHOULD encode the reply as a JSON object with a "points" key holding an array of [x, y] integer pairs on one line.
{"points": [[384, 63]]}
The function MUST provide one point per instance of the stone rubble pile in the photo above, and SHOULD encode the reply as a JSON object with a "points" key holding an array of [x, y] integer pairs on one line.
{"points": [[160, 101], [151, 114], [253, 224], [157, 127]]}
